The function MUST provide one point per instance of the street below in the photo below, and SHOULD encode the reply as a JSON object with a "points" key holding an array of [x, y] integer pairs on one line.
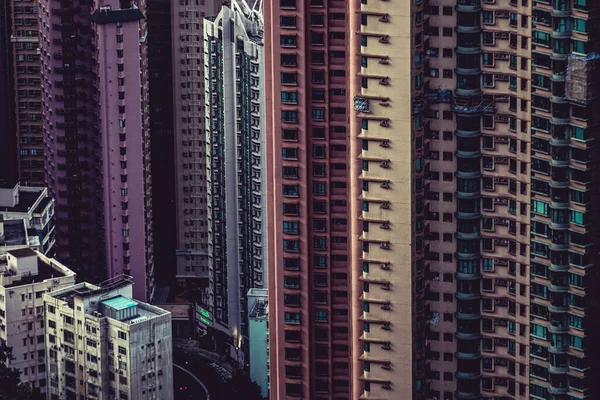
{"points": [[187, 386]]}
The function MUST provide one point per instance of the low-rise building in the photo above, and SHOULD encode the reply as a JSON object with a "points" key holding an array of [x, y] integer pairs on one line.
{"points": [[103, 344], [258, 321], [25, 276], [35, 208]]}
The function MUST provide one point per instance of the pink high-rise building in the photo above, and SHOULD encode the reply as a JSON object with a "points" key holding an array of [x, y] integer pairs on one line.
{"points": [[97, 138]]}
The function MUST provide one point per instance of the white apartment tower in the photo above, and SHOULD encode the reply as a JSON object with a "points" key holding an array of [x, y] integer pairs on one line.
{"points": [[25, 276], [103, 344], [235, 161]]}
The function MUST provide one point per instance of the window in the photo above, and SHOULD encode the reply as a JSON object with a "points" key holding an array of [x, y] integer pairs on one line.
{"points": [[289, 153], [289, 116], [288, 40], [289, 78], [321, 315], [287, 22], [289, 97], [291, 227], [318, 114]]}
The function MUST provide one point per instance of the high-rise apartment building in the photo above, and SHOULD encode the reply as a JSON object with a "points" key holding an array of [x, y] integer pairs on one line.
{"points": [[162, 141], [563, 106], [101, 343], [25, 275], [471, 198], [96, 134], [187, 17], [471, 219], [388, 310], [306, 99], [27, 92], [8, 156], [236, 162]]}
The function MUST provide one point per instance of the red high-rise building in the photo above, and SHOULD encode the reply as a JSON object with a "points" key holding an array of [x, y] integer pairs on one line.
{"points": [[306, 72]]}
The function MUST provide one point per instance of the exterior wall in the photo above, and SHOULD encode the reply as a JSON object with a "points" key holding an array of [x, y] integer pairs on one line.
{"points": [[234, 130], [8, 145], [27, 92], [70, 137], [564, 236], [258, 336], [384, 202], [306, 56], [190, 143], [259, 352], [82, 116], [160, 80], [22, 321], [124, 217]]}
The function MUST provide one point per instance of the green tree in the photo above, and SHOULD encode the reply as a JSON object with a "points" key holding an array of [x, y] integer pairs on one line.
{"points": [[240, 386], [12, 388]]}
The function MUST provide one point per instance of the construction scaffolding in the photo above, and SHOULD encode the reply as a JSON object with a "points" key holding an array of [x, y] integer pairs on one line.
{"points": [[361, 104], [582, 78], [473, 104], [420, 103]]}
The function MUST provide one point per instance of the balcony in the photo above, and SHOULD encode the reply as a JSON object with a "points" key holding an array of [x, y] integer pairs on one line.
{"points": [[468, 5]]}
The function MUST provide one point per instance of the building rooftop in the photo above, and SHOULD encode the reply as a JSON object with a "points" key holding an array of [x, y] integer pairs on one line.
{"points": [[120, 302], [260, 309], [22, 253], [47, 268], [27, 199], [42, 205], [178, 311], [108, 300], [85, 289], [15, 233]]}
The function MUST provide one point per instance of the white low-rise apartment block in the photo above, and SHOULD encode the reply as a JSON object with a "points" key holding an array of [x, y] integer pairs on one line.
{"points": [[25, 276], [103, 345]]}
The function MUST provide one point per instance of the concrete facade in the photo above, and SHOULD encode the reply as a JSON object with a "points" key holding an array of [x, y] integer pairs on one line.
{"points": [[25, 276], [102, 343], [160, 80], [307, 76], [27, 92], [187, 17], [96, 132], [235, 159], [8, 146]]}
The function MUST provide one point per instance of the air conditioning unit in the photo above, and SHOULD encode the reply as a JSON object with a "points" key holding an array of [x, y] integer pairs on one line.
{"points": [[385, 205], [385, 245], [385, 266], [385, 164], [384, 18], [385, 143], [385, 122], [385, 185], [385, 225]]}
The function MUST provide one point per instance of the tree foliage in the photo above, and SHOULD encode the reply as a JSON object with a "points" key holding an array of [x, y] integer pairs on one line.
{"points": [[240, 386], [11, 387]]}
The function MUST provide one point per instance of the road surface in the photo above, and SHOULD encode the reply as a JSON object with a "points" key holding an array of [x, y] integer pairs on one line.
{"points": [[187, 386]]}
